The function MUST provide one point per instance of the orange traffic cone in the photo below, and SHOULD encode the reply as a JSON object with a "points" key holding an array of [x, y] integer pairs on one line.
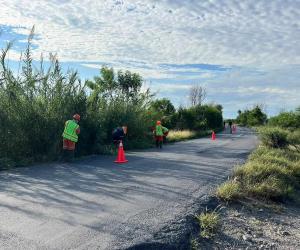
{"points": [[121, 154], [213, 136]]}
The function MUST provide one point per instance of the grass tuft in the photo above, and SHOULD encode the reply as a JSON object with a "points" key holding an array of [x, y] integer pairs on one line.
{"points": [[229, 190], [209, 222]]}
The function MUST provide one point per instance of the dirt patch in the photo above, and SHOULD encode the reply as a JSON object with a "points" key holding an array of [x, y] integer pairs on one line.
{"points": [[252, 225]]}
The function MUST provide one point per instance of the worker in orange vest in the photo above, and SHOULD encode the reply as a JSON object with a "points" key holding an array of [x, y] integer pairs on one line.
{"points": [[70, 137], [159, 134]]}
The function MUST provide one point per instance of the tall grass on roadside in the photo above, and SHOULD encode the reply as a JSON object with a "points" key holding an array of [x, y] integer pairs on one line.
{"points": [[269, 174], [36, 101], [274, 137]]}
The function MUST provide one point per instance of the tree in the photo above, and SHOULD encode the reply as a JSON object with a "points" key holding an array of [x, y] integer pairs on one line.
{"points": [[104, 84], [289, 120], [197, 95], [163, 106], [129, 83], [252, 117]]}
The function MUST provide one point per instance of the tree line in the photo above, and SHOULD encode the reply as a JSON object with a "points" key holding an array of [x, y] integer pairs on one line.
{"points": [[37, 100]]}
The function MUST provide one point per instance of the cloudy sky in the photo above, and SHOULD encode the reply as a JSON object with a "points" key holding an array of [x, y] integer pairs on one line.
{"points": [[244, 52]]}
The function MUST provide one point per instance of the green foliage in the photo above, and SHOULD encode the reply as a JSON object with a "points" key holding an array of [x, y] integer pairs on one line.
{"points": [[209, 223], [197, 118], [164, 110], [253, 117], [34, 106], [272, 171], [229, 190], [290, 120], [163, 106], [269, 174], [273, 137], [294, 139], [35, 103]]}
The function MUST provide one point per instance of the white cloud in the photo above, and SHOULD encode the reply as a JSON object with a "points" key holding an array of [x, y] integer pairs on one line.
{"points": [[258, 39], [213, 32], [153, 72]]}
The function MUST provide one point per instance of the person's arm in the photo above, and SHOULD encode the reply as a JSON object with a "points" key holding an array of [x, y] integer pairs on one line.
{"points": [[165, 130], [78, 131]]}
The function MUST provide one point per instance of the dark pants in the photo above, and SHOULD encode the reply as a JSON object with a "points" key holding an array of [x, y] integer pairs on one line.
{"points": [[68, 155], [159, 141]]}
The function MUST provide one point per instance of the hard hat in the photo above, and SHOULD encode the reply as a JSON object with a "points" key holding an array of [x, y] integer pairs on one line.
{"points": [[76, 117]]}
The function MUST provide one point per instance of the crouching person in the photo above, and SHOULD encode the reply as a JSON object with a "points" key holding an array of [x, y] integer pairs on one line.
{"points": [[159, 134], [118, 135], [70, 137]]}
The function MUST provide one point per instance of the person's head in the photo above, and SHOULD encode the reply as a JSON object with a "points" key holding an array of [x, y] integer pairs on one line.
{"points": [[76, 117], [158, 123], [124, 129]]}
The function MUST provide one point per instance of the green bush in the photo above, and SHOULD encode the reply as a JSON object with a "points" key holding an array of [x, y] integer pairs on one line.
{"points": [[294, 139], [289, 120], [253, 117], [198, 117], [36, 103], [273, 137]]}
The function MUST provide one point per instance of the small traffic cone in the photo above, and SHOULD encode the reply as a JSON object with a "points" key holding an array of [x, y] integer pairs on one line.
{"points": [[213, 136], [121, 154]]}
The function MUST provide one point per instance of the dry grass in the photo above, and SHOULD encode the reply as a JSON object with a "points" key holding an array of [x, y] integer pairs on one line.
{"points": [[179, 135]]}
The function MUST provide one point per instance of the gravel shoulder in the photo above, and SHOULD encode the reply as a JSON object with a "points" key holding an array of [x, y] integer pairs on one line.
{"points": [[253, 225]]}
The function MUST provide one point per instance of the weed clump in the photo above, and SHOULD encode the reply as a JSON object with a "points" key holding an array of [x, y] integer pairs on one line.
{"points": [[209, 223], [229, 190], [274, 137]]}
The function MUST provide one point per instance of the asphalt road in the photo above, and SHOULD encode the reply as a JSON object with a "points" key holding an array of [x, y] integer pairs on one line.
{"points": [[96, 204]]}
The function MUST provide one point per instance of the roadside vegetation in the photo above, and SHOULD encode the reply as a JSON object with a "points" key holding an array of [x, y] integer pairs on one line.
{"points": [[256, 191], [181, 135], [272, 171], [36, 100]]}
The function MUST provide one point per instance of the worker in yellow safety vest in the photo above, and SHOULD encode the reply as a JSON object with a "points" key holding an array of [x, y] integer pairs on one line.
{"points": [[159, 132], [70, 137]]}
